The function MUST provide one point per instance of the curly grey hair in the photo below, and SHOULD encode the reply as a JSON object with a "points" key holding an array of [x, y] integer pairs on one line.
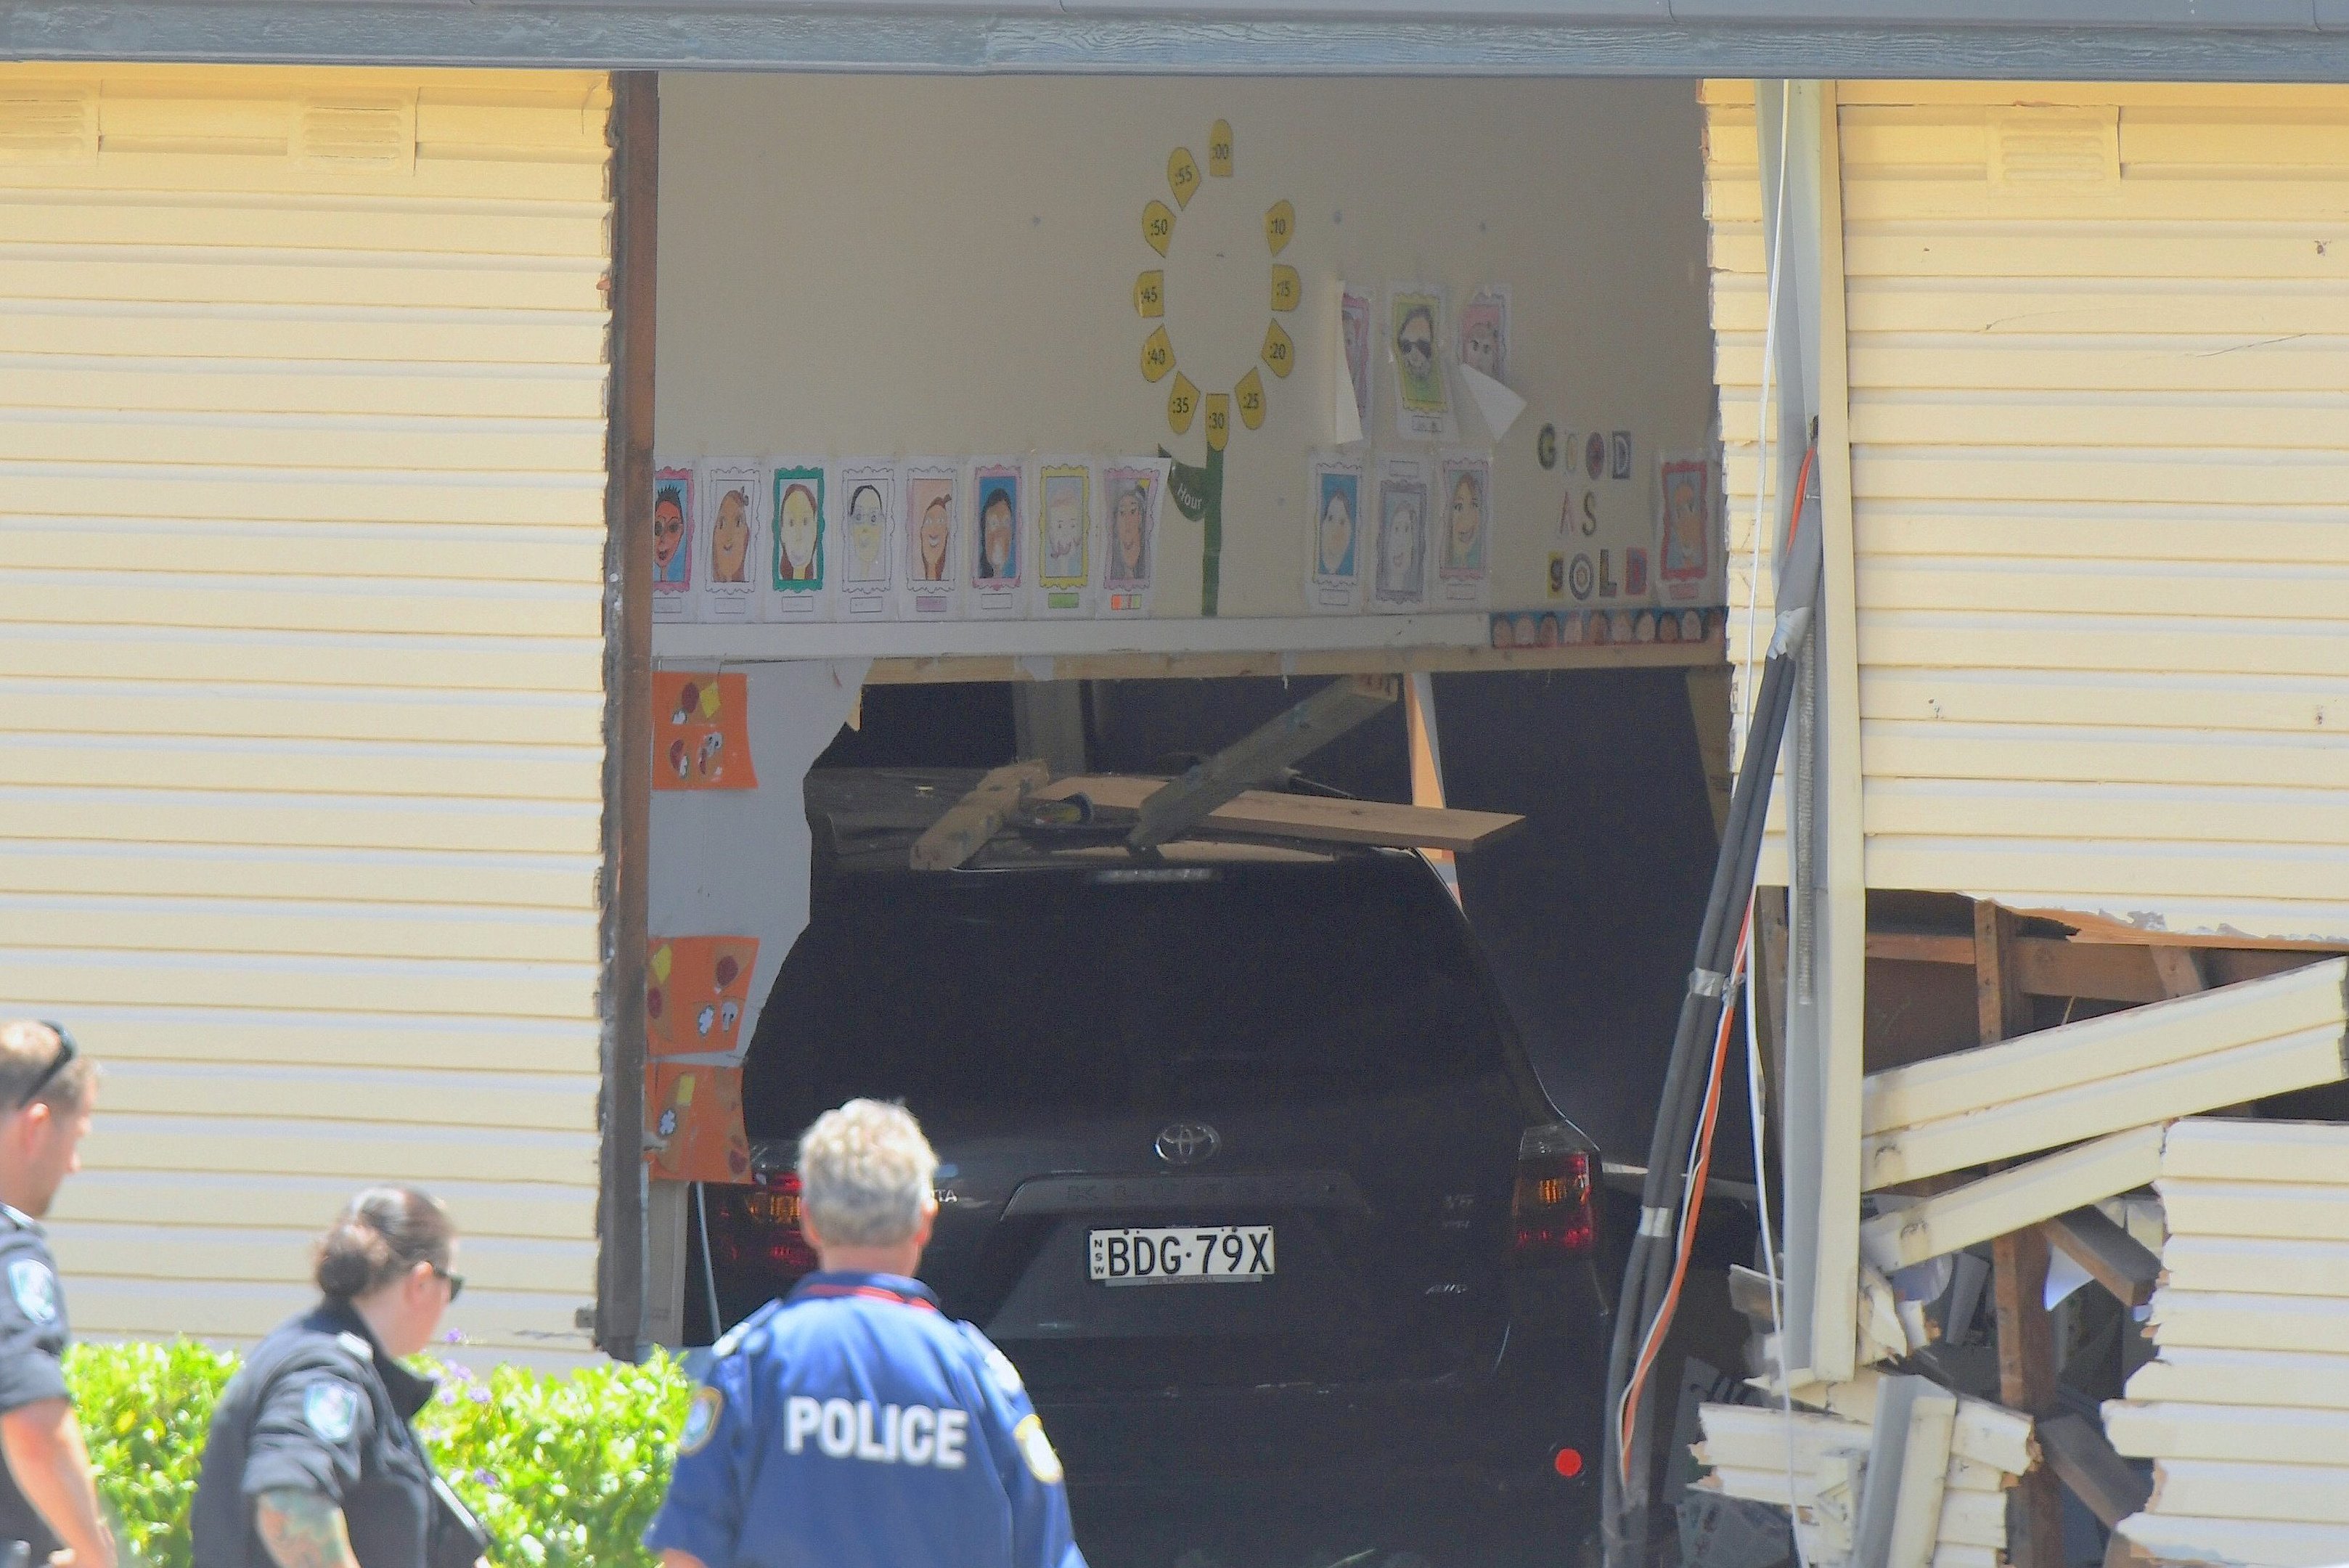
{"points": [[865, 1171]]}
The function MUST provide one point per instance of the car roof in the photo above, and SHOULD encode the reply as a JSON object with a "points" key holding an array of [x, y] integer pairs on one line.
{"points": [[865, 820]]}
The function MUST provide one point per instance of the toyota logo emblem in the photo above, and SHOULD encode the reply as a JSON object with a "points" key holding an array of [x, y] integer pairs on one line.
{"points": [[1188, 1143]]}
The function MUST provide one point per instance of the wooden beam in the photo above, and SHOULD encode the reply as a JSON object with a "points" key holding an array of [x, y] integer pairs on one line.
{"points": [[2089, 1469], [1309, 816], [2015, 1198], [2101, 970], [1426, 745], [970, 822], [620, 1262], [2115, 1260], [2179, 970], [1261, 755], [2001, 1007]]}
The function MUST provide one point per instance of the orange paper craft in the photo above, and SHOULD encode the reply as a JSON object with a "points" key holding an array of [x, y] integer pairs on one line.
{"points": [[701, 733], [696, 989], [693, 1117]]}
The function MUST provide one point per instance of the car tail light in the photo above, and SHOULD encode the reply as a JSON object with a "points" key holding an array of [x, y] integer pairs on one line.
{"points": [[1553, 1210], [757, 1229]]}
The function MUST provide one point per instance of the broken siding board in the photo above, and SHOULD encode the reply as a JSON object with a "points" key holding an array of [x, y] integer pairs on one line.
{"points": [[2243, 1434], [1975, 1519], [2196, 1376], [2258, 1266], [2302, 1061], [2192, 1539], [2024, 1195], [2309, 1212], [2218, 1149], [1987, 1433], [2100, 1048], [2219, 1488], [2232, 1321]]}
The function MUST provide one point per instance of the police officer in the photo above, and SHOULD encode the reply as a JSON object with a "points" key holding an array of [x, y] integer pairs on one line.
{"points": [[852, 1424], [49, 1500], [312, 1461]]}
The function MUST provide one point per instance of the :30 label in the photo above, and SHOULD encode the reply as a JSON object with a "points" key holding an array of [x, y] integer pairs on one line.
{"points": [[1249, 395], [1157, 355], [1219, 420], [1219, 150], [1182, 175], [1150, 295], [1280, 352], [1182, 405], [1288, 289], [1158, 226], [1280, 226]]}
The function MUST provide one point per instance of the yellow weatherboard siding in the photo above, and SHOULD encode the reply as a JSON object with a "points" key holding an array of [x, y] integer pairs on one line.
{"points": [[2099, 463], [302, 420]]}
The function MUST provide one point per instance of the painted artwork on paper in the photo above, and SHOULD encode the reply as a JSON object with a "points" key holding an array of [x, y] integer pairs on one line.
{"points": [[1465, 530], [696, 989], [1685, 543], [1354, 328], [672, 541], [1134, 489], [1415, 345], [732, 530], [1063, 536], [701, 736], [693, 1123], [866, 494], [1333, 570], [1399, 580], [1485, 332], [933, 498], [993, 545], [799, 496]]}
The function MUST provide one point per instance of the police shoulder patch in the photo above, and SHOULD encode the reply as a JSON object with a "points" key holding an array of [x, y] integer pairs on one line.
{"points": [[35, 1286], [1037, 1449], [331, 1408], [702, 1420]]}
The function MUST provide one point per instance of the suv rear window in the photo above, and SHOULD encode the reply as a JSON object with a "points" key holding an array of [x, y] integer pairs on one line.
{"points": [[1064, 993]]}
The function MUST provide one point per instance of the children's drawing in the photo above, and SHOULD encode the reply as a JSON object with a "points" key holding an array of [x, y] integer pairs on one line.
{"points": [[693, 1119], [1399, 579], [1063, 537], [734, 530], [1684, 499], [992, 548], [701, 737], [1354, 328], [1133, 489], [1415, 334], [673, 488], [1464, 530], [1333, 582], [796, 491], [866, 494], [933, 498], [1485, 332]]}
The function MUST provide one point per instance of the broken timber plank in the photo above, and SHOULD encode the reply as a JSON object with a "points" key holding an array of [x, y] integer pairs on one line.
{"points": [[2179, 970], [2019, 1195], [2089, 1469], [2173, 1538], [970, 822], [2251, 1434], [2115, 1260], [1320, 817], [2189, 1375], [1261, 755]]}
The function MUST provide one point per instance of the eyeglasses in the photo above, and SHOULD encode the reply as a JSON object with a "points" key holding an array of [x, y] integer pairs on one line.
{"points": [[456, 1283], [66, 1051]]}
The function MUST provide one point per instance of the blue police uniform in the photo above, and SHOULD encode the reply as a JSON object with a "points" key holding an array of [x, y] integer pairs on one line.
{"points": [[852, 1424]]}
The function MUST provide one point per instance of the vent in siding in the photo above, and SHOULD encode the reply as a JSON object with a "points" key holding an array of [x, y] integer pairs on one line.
{"points": [[376, 135], [50, 126], [2061, 149]]}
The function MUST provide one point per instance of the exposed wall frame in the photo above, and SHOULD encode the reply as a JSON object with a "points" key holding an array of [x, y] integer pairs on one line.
{"points": [[627, 709]]}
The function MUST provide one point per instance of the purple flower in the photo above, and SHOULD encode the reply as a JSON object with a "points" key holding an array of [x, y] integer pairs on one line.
{"points": [[483, 1478], [479, 1395]]}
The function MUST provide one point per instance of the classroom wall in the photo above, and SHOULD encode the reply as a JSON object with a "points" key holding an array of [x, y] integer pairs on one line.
{"points": [[913, 266]]}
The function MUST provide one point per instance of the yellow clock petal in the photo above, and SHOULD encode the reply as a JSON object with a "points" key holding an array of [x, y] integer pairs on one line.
{"points": [[1280, 352], [1219, 150], [1150, 295], [1280, 226], [1249, 395], [1157, 355], [1219, 420], [1182, 404], [1182, 175], [1158, 225], [1288, 289]]}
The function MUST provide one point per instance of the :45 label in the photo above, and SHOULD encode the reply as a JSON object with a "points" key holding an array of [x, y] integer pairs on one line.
{"points": [[1150, 295]]}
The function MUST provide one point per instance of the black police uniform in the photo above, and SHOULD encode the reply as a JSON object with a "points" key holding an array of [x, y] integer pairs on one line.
{"points": [[319, 1408], [33, 1339]]}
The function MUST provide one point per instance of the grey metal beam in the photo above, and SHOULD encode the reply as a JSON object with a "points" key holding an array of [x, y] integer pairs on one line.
{"points": [[2137, 40]]}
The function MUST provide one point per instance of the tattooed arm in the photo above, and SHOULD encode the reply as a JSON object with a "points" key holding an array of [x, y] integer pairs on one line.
{"points": [[303, 1529]]}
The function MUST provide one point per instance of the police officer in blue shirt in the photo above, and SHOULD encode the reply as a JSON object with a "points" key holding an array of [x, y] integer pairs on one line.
{"points": [[852, 1424]]}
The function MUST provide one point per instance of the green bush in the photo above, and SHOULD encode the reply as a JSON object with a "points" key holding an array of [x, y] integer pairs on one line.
{"points": [[564, 1471]]}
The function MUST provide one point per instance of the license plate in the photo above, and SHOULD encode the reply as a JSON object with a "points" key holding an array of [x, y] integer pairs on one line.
{"points": [[1194, 1255]]}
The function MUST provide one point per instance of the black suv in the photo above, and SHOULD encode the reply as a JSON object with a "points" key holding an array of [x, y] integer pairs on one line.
{"points": [[1242, 1163]]}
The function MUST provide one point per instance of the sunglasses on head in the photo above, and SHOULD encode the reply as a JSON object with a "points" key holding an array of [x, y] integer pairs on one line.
{"points": [[66, 1051]]}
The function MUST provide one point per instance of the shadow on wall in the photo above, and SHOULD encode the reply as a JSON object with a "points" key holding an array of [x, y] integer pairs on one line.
{"points": [[1589, 913]]}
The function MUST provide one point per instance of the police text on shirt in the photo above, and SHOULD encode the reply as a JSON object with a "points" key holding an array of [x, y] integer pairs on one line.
{"points": [[914, 1435]]}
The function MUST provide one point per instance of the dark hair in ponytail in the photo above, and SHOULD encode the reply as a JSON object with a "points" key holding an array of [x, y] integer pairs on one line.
{"points": [[384, 1234]]}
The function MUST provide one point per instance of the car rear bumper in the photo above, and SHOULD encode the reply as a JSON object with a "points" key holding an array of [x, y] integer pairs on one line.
{"points": [[1497, 1427]]}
